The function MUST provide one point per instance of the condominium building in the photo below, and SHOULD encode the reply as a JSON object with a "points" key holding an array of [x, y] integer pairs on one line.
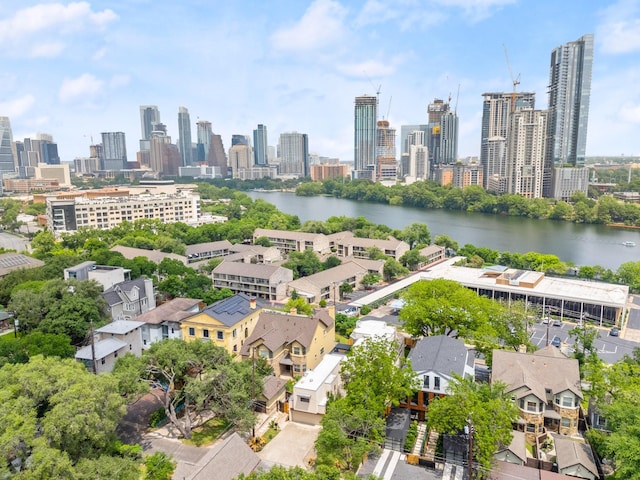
{"points": [[365, 121], [525, 152], [68, 215], [264, 281], [293, 150]]}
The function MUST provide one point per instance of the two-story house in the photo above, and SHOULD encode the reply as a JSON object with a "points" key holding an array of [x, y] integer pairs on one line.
{"points": [[129, 299], [308, 403], [164, 321], [545, 386], [292, 344], [110, 342], [227, 323], [435, 361]]}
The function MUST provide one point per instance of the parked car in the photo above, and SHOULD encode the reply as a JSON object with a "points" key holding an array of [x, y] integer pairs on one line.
{"points": [[350, 311], [557, 322], [614, 332], [545, 320], [556, 341]]}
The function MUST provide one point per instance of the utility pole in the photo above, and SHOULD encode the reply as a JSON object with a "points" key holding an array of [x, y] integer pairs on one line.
{"points": [[93, 349], [253, 386], [470, 447]]}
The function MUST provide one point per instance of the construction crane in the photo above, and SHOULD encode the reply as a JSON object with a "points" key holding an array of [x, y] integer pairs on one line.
{"points": [[514, 80]]}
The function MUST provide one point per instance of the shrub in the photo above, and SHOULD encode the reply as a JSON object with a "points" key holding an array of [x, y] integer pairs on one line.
{"points": [[412, 435], [365, 310], [157, 417]]}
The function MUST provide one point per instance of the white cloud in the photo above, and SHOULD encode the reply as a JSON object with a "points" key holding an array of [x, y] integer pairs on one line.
{"points": [[99, 54], [37, 29], [369, 68], [619, 31], [82, 89], [18, 106], [476, 9], [320, 26]]}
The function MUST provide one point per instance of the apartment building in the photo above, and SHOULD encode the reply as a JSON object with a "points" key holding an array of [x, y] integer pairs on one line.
{"points": [[347, 245], [264, 281], [287, 241]]}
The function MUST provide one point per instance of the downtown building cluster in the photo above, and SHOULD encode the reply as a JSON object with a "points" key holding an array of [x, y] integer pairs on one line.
{"points": [[523, 150]]}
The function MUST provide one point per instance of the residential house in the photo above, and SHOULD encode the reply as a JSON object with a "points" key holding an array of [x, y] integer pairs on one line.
{"points": [[110, 342], [348, 245], [545, 386], [226, 460], [325, 285], [105, 275], [227, 323], [515, 452], [308, 403], [260, 280], [15, 261], [129, 299], [288, 241], [272, 397], [435, 361], [164, 321], [432, 253], [292, 344], [155, 256], [575, 458]]}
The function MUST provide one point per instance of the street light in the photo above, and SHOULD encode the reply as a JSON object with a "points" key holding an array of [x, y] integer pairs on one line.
{"points": [[16, 324]]}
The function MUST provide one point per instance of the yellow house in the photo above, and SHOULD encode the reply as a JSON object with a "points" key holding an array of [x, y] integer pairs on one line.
{"points": [[227, 323], [292, 344]]}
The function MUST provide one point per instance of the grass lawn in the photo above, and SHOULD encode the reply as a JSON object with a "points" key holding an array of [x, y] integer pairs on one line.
{"points": [[269, 434], [7, 338], [341, 339], [207, 433]]}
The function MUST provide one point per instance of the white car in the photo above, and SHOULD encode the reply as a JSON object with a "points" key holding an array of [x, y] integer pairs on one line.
{"points": [[350, 311]]}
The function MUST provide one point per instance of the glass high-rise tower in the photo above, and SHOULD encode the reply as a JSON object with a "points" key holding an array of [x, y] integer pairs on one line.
{"points": [[184, 133], [260, 145], [365, 128], [569, 94], [7, 147]]}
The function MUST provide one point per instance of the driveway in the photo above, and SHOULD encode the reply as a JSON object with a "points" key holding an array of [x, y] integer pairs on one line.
{"points": [[293, 446]]}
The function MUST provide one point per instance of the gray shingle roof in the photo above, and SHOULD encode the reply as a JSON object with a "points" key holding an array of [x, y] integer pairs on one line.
{"points": [[571, 452], [102, 348], [173, 310], [278, 329], [231, 310], [114, 295], [258, 270], [120, 327], [199, 248], [440, 354]]}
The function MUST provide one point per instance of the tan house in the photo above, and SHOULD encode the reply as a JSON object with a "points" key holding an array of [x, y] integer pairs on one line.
{"points": [[326, 284], [227, 323], [350, 246], [289, 241], [545, 386], [257, 280], [292, 344]]}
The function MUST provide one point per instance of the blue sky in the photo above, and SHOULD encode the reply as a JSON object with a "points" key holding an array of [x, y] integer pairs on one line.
{"points": [[75, 69]]}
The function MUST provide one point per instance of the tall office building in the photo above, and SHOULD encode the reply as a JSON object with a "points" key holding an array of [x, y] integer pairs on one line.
{"points": [[48, 149], [293, 150], [442, 139], [569, 94], [164, 156], [526, 151], [217, 156], [114, 151], [496, 111], [260, 145], [365, 127], [204, 133], [149, 117], [8, 155], [386, 162], [184, 132]]}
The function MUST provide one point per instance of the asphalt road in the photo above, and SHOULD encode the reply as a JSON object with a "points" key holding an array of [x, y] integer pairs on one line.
{"points": [[610, 349], [13, 242]]}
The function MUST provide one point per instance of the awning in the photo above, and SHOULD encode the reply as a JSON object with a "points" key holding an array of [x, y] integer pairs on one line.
{"points": [[286, 361], [304, 395], [552, 414]]}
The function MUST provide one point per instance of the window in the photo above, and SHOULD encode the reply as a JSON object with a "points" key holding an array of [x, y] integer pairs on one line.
{"points": [[192, 332], [426, 381], [436, 383], [531, 427], [304, 399], [565, 422], [296, 368], [205, 333], [220, 335], [322, 351], [235, 348], [532, 406], [102, 361], [296, 350], [567, 401], [115, 354], [235, 333]]}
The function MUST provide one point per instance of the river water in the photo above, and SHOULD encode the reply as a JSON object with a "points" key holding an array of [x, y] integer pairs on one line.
{"points": [[577, 243]]}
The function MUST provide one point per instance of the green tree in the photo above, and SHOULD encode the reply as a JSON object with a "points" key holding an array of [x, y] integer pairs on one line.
{"points": [[300, 305], [369, 279], [159, 466], [303, 264], [345, 289], [487, 407], [416, 234], [412, 259], [629, 274], [198, 375], [393, 269], [263, 241], [446, 241]]}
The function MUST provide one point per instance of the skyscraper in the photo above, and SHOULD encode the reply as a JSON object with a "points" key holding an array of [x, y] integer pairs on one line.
{"points": [[496, 111], [114, 147], [293, 149], [260, 145], [365, 126], [217, 156], [442, 140], [204, 140], [184, 140], [569, 93], [526, 151], [8, 156], [149, 117], [386, 162]]}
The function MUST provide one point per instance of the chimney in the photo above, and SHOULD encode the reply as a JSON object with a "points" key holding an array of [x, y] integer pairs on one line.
{"points": [[252, 303]]}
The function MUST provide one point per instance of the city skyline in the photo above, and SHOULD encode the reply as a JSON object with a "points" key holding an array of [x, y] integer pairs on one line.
{"points": [[102, 62]]}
